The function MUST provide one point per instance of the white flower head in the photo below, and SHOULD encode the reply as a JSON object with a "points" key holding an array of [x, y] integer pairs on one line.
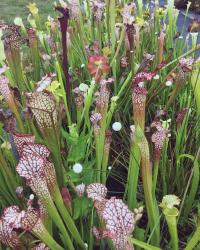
{"points": [[117, 126], [31, 197], [77, 168], [168, 83], [109, 168]]}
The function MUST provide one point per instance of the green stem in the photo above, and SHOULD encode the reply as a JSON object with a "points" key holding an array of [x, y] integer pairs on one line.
{"points": [[140, 6], [133, 173], [155, 174], [91, 238], [194, 240], [193, 182], [105, 163], [170, 10], [18, 118], [57, 220], [47, 239], [67, 218], [102, 142], [143, 245], [59, 74]]}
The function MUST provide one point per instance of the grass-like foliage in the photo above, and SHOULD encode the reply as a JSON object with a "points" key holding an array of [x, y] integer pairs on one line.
{"points": [[100, 128]]}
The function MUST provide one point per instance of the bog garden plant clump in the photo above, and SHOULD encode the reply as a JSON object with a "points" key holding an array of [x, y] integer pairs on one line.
{"points": [[100, 128]]}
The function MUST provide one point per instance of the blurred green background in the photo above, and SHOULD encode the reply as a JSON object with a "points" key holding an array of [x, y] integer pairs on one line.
{"points": [[9, 9]]}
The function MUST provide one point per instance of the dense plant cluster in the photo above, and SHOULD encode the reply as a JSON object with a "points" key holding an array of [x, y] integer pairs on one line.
{"points": [[100, 128]]}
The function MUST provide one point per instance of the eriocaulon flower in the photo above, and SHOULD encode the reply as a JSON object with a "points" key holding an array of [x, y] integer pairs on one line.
{"points": [[77, 168], [117, 126]]}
